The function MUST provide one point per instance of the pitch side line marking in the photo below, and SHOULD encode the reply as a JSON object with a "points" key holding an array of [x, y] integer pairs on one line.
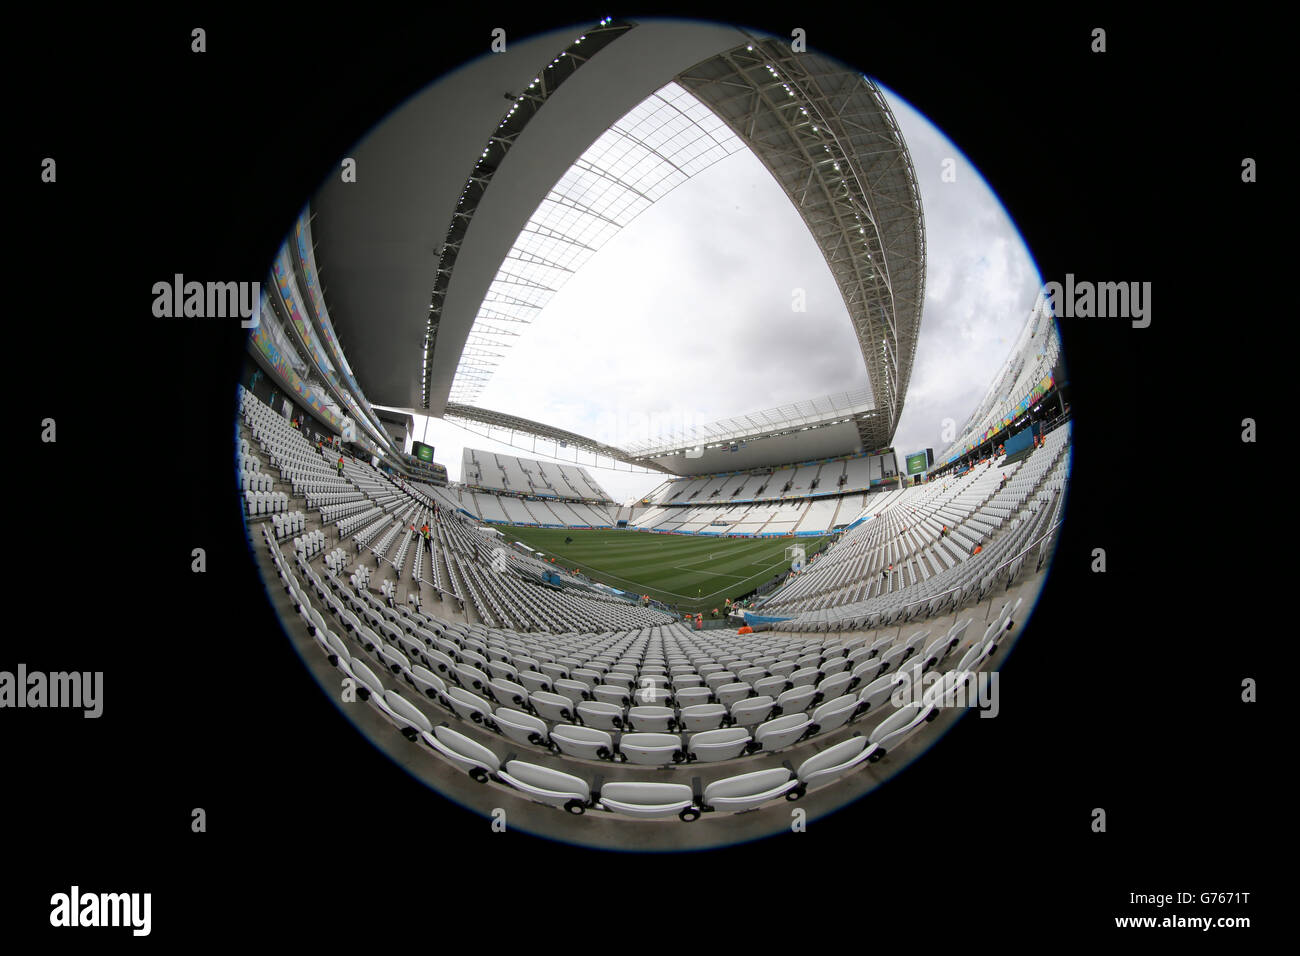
{"points": [[716, 574]]}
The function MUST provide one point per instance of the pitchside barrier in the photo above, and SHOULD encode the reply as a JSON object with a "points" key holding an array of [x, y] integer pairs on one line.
{"points": [[752, 619], [711, 625]]}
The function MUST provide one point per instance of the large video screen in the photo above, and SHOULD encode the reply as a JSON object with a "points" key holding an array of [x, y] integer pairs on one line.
{"points": [[916, 463], [422, 451]]}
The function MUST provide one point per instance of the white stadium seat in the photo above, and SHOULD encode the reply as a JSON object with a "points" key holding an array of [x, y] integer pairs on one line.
{"points": [[649, 800], [748, 790]]}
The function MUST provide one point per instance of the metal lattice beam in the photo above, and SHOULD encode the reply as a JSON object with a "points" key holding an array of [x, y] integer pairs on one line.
{"points": [[832, 143], [472, 414]]}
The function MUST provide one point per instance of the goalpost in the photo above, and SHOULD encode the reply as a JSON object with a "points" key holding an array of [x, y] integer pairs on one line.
{"points": [[795, 555]]}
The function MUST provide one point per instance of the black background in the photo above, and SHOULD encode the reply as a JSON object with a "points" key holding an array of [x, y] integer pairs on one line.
{"points": [[1124, 695]]}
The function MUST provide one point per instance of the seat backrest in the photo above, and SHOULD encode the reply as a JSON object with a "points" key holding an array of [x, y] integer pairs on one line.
{"points": [[518, 718], [845, 702], [649, 740], [747, 784], [797, 696], [727, 735], [753, 704], [700, 711], [367, 677], [544, 778], [896, 721], [781, 724], [647, 794], [833, 756], [406, 710], [578, 734], [648, 712]]}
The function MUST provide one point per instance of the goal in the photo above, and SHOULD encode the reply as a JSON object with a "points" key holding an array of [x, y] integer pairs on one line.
{"points": [[795, 555]]}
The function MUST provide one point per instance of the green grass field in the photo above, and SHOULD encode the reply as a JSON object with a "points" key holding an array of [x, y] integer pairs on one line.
{"points": [[691, 572]]}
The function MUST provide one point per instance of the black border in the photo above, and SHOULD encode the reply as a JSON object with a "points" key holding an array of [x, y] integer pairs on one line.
{"points": [[1117, 166]]}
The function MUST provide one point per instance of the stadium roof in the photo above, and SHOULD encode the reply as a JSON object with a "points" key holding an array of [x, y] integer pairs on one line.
{"points": [[823, 427], [470, 416], [476, 199], [829, 138], [829, 410], [663, 141]]}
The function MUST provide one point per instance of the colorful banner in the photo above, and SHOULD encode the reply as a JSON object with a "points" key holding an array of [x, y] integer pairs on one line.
{"points": [[1026, 403], [282, 273], [263, 340]]}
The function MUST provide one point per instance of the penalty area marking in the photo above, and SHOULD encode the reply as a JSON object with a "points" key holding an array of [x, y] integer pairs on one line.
{"points": [[716, 574]]}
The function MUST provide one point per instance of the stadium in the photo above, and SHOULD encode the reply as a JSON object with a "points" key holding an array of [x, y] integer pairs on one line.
{"points": [[784, 616]]}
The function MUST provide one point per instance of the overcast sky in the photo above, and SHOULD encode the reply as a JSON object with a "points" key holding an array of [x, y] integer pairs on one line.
{"points": [[686, 315]]}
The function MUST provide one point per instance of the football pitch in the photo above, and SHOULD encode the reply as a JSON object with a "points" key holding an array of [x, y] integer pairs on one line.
{"points": [[693, 573]]}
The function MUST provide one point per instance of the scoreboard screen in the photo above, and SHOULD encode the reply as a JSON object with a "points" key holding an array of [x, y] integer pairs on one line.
{"points": [[917, 463], [422, 451]]}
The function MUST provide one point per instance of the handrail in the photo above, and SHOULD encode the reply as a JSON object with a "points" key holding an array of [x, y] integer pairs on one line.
{"points": [[1004, 564]]}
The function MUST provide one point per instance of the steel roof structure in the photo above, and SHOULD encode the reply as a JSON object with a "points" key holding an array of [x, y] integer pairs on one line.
{"points": [[801, 416], [827, 135], [829, 139], [661, 143], [470, 417], [837, 417], [620, 115]]}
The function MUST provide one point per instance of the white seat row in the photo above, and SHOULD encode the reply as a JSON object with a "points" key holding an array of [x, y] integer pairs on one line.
{"points": [[266, 502], [255, 481], [310, 544], [292, 523], [649, 800]]}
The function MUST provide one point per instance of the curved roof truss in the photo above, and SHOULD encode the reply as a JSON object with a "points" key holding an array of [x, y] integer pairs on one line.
{"points": [[829, 138]]}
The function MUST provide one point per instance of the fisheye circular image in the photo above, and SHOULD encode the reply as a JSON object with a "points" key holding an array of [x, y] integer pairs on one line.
{"points": [[654, 433]]}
